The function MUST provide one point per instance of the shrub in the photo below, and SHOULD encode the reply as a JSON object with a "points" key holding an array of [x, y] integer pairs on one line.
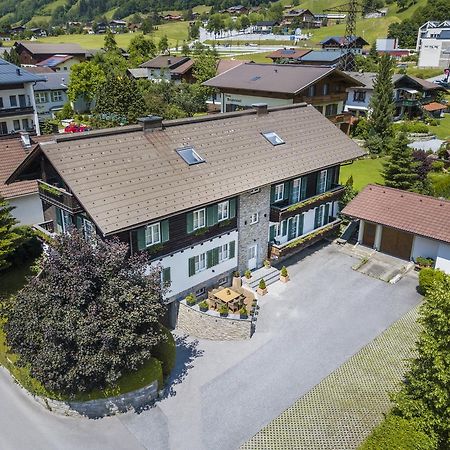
{"points": [[191, 299], [248, 273], [266, 263], [425, 262], [203, 305], [437, 166], [284, 272], [165, 352], [236, 274], [224, 310], [243, 312], [262, 284], [29, 247], [427, 277], [396, 433]]}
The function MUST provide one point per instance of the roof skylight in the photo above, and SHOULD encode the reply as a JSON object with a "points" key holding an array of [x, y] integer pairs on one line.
{"points": [[273, 138], [190, 156]]}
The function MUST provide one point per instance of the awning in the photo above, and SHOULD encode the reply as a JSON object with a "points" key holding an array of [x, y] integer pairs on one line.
{"points": [[356, 108]]}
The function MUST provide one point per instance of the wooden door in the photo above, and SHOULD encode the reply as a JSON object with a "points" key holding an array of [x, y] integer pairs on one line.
{"points": [[396, 243], [369, 234]]}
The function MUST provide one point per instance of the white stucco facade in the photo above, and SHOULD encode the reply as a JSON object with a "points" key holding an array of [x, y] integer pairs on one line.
{"points": [[238, 101], [443, 258], [27, 209], [354, 104], [430, 248]]}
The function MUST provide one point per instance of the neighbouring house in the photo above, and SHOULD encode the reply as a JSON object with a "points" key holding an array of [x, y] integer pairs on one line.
{"points": [[431, 30], [265, 26], [18, 110], [169, 68], [172, 17], [18, 30], [60, 63], [38, 32], [203, 196], [284, 84], [287, 55], [34, 53], [303, 18], [331, 58], [376, 14], [390, 46], [23, 195], [413, 96], [237, 10], [403, 224], [434, 50], [330, 18], [118, 26], [338, 42], [51, 94]]}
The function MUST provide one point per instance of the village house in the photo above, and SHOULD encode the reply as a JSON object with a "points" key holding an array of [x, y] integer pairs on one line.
{"points": [[330, 58], [287, 55], [33, 53], [339, 42], [265, 26], [433, 44], [303, 18], [60, 62], [168, 68], [284, 84], [17, 105], [51, 94], [204, 196]]}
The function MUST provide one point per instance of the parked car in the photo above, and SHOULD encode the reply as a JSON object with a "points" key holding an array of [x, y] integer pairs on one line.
{"points": [[74, 128]]}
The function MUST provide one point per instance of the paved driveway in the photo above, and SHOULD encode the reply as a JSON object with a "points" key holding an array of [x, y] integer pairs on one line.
{"points": [[225, 392]]}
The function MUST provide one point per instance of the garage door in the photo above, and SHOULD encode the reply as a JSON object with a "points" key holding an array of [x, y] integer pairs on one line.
{"points": [[369, 234], [396, 243]]}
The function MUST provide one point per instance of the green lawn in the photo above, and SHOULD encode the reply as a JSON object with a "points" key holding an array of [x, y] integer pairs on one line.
{"points": [[255, 57], [364, 172], [442, 131]]}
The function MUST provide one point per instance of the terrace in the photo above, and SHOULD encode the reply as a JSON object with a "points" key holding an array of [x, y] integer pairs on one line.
{"points": [[58, 197]]}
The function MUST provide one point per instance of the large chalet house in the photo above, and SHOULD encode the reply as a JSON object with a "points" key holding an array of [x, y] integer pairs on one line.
{"points": [[168, 68], [284, 84], [204, 196], [35, 53], [338, 42]]}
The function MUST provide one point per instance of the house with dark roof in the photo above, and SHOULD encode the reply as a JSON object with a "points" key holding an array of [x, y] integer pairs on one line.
{"points": [[60, 63], [338, 42], [203, 196], [287, 55], [169, 68], [23, 196], [265, 26], [403, 224], [330, 58], [17, 106], [303, 18], [34, 53], [284, 84]]}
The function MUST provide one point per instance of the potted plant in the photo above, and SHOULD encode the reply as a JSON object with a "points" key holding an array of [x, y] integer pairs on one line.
{"points": [[237, 281], [248, 274], [262, 288], [284, 276], [267, 264], [190, 299], [422, 262], [223, 310], [203, 306], [243, 313]]}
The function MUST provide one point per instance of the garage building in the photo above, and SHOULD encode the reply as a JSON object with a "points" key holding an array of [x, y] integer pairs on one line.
{"points": [[403, 224]]}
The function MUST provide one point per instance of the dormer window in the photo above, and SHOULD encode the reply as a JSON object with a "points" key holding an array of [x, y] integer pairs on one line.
{"points": [[190, 156], [273, 138]]}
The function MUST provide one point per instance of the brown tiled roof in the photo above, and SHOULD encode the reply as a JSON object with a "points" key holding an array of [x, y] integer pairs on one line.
{"points": [[39, 69], [291, 53], [183, 68], [226, 64], [434, 106], [12, 153], [52, 49], [403, 210], [131, 178]]}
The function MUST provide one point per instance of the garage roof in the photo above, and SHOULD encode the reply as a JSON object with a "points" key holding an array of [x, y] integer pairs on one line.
{"points": [[406, 211]]}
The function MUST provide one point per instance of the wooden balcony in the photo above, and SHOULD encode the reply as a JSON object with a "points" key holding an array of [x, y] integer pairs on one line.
{"points": [[341, 118], [281, 212], [321, 99], [58, 197]]}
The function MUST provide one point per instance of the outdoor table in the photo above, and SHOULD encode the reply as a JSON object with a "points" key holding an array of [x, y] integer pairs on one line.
{"points": [[228, 296]]}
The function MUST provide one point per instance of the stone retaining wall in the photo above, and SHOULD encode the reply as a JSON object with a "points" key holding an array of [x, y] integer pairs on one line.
{"points": [[206, 326], [136, 400]]}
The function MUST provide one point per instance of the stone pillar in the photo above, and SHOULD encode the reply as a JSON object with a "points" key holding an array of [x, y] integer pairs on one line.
{"points": [[361, 231], [378, 234]]}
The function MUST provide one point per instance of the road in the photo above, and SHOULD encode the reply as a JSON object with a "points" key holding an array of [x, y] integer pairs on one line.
{"points": [[222, 393]]}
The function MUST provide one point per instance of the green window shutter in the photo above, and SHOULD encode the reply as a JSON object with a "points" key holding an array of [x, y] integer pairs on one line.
{"points": [[316, 217], [209, 259], [284, 227], [191, 266], [215, 253], [303, 187], [287, 189], [232, 212], [140, 232], [164, 231], [189, 222], [301, 219], [232, 245], [330, 177], [78, 222], [58, 216], [272, 233], [211, 215], [166, 275], [327, 214], [272, 194]]}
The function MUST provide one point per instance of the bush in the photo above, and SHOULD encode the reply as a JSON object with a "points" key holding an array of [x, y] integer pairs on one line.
{"points": [[396, 433], [243, 312], [262, 284], [29, 247], [165, 352], [437, 166], [191, 299], [427, 277], [65, 113], [284, 272], [425, 262], [248, 273], [224, 310], [203, 305]]}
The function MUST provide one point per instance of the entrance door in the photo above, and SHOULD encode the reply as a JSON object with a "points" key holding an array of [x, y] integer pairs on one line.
{"points": [[252, 256], [396, 243], [369, 234], [292, 228]]}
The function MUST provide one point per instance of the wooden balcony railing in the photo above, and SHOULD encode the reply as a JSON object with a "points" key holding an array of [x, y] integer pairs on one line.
{"points": [[58, 197]]}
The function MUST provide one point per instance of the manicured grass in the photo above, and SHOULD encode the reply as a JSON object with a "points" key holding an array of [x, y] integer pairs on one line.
{"points": [[442, 131], [255, 57], [364, 172]]}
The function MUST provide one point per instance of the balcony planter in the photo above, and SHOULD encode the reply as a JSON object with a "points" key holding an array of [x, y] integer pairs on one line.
{"points": [[262, 288], [243, 313], [267, 264], [190, 300]]}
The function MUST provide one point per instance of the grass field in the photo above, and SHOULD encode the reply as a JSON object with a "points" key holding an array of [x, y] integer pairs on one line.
{"points": [[255, 57], [364, 172], [442, 131]]}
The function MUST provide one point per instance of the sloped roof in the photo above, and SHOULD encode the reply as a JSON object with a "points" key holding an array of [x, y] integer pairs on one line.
{"points": [[10, 74], [434, 106], [406, 211], [165, 61], [341, 40], [132, 178], [226, 64], [183, 68], [11, 155], [52, 49], [140, 72], [327, 56], [53, 81], [54, 60], [291, 53]]}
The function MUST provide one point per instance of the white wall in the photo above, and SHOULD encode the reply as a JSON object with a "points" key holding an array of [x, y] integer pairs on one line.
{"points": [[349, 103], [249, 100], [427, 248], [178, 263], [443, 258], [430, 51], [28, 209]]}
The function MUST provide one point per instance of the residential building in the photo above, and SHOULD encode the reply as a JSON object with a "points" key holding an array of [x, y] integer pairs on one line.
{"points": [[284, 84], [338, 42], [169, 68], [51, 94], [330, 58], [287, 55], [431, 30], [17, 106], [403, 224], [265, 26], [34, 53], [23, 196], [118, 26], [433, 42], [237, 10], [60, 63], [390, 46], [204, 196], [358, 97], [330, 18], [303, 18]]}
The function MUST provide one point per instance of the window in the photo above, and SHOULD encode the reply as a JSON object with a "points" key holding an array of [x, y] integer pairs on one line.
{"points": [[199, 219], [224, 252], [57, 96], [322, 181], [190, 156], [25, 124], [359, 96], [273, 138], [1, 102], [41, 97], [222, 281], [66, 221], [331, 110], [312, 91], [22, 101], [3, 128], [296, 184], [200, 262], [16, 125], [13, 101], [326, 89], [319, 215], [279, 192], [153, 234], [222, 211], [200, 292], [88, 229], [254, 218]]}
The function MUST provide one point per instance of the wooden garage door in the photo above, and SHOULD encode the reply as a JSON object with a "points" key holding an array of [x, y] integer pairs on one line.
{"points": [[396, 243], [369, 234]]}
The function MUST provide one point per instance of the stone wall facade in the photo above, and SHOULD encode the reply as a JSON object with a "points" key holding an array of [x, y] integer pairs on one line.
{"points": [[205, 326], [257, 233]]}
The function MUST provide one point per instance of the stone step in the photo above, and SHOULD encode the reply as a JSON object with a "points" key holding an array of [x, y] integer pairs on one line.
{"points": [[270, 276]]}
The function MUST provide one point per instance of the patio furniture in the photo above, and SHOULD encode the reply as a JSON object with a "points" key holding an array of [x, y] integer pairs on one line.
{"points": [[227, 296]]}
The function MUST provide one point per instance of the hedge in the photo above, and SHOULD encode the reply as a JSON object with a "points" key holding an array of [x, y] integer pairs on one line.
{"points": [[427, 277]]}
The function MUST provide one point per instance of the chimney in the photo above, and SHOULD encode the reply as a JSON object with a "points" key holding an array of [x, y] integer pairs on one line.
{"points": [[261, 108], [25, 137], [169, 61], [151, 123]]}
